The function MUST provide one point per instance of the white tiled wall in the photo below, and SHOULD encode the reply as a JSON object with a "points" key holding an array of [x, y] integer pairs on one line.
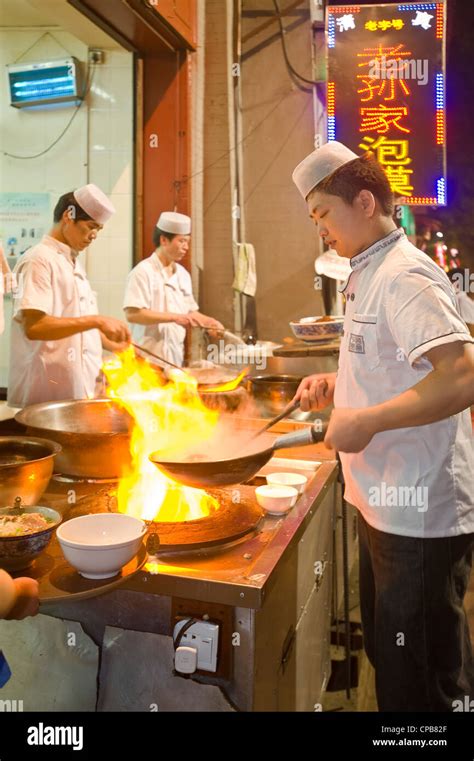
{"points": [[98, 147]]}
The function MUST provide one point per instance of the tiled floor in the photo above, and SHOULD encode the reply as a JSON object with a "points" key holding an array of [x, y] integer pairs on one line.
{"points": [[363, 697]]}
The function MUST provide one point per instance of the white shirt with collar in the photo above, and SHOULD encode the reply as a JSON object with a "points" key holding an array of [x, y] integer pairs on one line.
{"points": [[414, 481], [151, 286], [51, 280]]}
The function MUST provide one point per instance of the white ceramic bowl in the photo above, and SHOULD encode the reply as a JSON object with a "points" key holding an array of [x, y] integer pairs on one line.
{"points": [[308, 329], [99, 545], [276, 500], [288, 479]]}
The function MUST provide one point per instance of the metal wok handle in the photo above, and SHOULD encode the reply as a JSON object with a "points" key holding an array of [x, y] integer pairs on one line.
{"points": [[301, 438]]}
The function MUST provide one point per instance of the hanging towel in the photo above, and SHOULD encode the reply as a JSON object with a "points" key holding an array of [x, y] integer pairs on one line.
{"points": [[245, 280]]}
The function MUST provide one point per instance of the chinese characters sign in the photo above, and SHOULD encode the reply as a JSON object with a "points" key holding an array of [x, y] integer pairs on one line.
{"points": [[386, 92]]}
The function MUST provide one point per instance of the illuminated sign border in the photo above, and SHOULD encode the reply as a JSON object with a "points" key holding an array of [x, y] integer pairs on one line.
{"points": [[440, 91]]}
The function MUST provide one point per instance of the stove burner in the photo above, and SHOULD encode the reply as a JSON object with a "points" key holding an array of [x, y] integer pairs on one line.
{"points": [[62, 478], [238, 515]]}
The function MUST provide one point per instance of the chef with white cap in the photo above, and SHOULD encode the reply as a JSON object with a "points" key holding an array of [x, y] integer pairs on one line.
{"points": [[402, 426], [57, 334], [159, 301]]}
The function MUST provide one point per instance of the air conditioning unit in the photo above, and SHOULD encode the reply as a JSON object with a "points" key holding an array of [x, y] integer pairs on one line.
{"points": [[45, 83]]}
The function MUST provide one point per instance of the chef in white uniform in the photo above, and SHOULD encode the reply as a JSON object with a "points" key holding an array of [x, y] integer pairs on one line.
{"points": [[159, 301], [57, 334], [402, 426]]}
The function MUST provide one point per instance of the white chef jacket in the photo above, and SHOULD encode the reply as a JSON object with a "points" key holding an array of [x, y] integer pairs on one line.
{"points": [[51, 280], [415, 481], [149, 287], [465, 306]]}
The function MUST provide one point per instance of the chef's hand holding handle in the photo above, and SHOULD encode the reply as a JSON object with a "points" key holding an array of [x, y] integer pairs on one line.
{"points": [[316, 391], [115, 330], [311, 435]]}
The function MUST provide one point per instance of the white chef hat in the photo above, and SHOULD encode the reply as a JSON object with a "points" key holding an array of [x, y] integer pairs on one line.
{"points": [[95, 203], [320, 164], [172, 222]]}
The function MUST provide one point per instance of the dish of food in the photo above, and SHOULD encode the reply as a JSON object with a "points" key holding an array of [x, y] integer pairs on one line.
{"points": [[23, 525], [318, 328]]}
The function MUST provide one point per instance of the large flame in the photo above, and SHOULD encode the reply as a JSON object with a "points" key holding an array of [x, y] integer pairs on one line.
{"points": [[168, 416], [229, 385]]}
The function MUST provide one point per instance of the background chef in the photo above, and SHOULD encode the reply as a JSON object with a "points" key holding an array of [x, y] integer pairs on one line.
{"points": [[159, 301], [57, 335]]}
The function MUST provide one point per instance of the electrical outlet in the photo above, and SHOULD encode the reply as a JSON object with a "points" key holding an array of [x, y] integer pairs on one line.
{"points": [[204, 637], [96, 57]]}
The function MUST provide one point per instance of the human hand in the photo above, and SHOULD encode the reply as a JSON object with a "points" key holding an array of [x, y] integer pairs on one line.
{"points": [[18, 597], [316, 391], [113, 329], [349, 430]]}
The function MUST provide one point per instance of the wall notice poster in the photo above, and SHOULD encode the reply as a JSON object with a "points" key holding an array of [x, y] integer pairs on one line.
{"points": [[24, 219], [386, 92]]}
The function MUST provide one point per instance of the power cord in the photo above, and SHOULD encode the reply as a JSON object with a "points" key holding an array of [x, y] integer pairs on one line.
{"points": [[177, 643], [285, 53]]}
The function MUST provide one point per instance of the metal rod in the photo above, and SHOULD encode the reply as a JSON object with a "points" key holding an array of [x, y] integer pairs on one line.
{"points": [[287, 411], [160, 359]]}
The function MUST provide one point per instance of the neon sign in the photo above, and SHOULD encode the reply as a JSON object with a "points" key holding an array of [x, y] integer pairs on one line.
{"points": [[386, 92]]}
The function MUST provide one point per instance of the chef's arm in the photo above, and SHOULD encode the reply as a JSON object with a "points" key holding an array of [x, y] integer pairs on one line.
{"points": [[204, 321], [39, 326], [4, 268], [150, 317], [445, 391]]}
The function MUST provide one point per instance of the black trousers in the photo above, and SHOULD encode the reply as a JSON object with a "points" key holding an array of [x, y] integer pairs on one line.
{"points": [[415, 629]]}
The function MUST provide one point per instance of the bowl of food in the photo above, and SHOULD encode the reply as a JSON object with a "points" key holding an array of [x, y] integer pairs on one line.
{"points": [[99, 545], [276, 499], [319, 328], [24, 534], [288, 479], [26, 466]]}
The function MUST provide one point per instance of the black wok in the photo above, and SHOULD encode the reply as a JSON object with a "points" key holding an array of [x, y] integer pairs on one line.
{"points": [[235, 470]]}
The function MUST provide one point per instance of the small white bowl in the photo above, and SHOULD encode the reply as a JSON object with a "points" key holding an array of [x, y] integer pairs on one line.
{"points": [[275, 499], [288, 479], [99, 545]]}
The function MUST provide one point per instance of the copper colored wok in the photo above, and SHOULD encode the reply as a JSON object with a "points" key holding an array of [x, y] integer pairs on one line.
{"points": [[236, 470]]}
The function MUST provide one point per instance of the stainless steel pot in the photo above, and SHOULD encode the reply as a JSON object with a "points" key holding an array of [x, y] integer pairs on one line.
{"points": [[94, 435], [273, 392], [26, 465]]}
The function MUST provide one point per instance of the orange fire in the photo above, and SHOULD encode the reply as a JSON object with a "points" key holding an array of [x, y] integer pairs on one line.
{"points": [[168, 416], [230, 385]]}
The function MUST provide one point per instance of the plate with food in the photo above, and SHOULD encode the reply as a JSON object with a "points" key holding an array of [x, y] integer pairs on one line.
{"points": [[318, 328]]}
